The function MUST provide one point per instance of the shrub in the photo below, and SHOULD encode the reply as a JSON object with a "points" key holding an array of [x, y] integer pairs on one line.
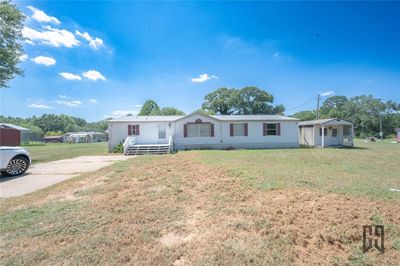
{"points": [[119, 148]]}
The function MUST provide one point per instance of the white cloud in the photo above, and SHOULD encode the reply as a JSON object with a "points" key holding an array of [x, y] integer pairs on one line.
{"points": [[327, 93], [40, 16], [119, 113], [44, 60], [23, 57], [93, 75], [50, 36], [62, 96], [40, 106], [94, 43], [203, 77], [276, 54], [93, 101], [138, 106], [70, 76], [69, 103]]}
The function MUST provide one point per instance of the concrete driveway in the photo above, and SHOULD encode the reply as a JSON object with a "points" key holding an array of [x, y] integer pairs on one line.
{"points": [[44, 175]]}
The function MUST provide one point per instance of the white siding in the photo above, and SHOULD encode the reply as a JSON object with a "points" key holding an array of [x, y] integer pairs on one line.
{"points": [[328, 141], [223, 140], [118, 131], [307, 136], [148, 133], [196, 142]]}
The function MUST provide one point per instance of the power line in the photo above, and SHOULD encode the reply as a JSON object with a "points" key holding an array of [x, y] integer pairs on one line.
{"points": [[308, 101]]}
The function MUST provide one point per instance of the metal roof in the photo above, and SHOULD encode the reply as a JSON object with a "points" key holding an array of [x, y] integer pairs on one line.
{"points": [[155, 118], [323, 121], [173, 118], [253, 118], [13, 126]]}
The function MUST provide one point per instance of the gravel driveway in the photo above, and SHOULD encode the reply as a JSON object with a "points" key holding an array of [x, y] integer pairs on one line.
{"points": [[46, 174]]}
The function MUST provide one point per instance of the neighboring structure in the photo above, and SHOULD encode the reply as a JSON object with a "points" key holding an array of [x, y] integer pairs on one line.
{"points": [[326, 132], [398, 134], [199, 131], [10, 135], [53, 139], [84, 137]]}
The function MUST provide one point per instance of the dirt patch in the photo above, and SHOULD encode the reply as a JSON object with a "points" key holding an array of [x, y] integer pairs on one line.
{"points": [[176, 210]]}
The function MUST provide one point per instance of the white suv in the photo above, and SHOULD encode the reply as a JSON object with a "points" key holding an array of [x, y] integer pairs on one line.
{"points": [[14, 160]]}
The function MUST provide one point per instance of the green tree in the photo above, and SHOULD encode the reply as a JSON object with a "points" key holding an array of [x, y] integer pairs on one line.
{"points": [[252, 100], [249, 100], [204, 112], [221, 101], [304, 115], [150, 107], [365, 112], [333, 107], [11, 23], [171, 111]]}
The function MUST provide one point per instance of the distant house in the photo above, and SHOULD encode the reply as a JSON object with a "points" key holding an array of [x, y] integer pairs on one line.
{"points": [[11, 135], [53, 139], [200, 131], [84, 137], [326, 132]]}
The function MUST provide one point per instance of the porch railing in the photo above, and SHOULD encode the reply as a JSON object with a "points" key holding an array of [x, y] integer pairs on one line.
{"points": [[130, 142]]}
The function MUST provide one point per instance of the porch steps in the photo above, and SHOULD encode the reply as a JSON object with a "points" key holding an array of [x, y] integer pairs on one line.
{"points": [[147, 149]]}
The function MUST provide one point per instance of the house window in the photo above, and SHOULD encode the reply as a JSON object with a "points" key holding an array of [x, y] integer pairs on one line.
{"points": [[205, 130], [162, 128], [133, 130], [238, 130], [198, 130], [271, 130], [334, 132], [325, 132]]}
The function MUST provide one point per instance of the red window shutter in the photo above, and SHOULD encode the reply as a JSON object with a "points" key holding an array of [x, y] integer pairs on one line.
{"points": [[185, 131], [278, 129], [129, 130], [264, 129], [231, 129], [246, 130], [212, 130], [137, 130]]}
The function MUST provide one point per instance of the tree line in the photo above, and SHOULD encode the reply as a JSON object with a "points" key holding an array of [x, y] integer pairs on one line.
{"points": [[366, 113], [51, 124], [224, 101]]}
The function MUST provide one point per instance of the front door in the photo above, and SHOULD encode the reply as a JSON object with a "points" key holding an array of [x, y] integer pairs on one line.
{"points": [[335, 136]]}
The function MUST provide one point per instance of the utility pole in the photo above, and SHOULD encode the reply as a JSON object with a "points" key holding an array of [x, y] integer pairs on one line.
{"points": [[319, 96], [380, 127]]}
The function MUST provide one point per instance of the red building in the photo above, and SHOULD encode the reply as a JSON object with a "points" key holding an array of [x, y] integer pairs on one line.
{"points": [[10, 135]]}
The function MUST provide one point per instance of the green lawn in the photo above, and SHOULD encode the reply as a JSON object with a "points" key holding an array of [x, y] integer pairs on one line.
{"points": [[369, 169], [59, 151]]}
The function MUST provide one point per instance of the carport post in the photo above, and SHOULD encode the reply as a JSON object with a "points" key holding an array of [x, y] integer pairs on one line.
{"points": [[323, 136]]}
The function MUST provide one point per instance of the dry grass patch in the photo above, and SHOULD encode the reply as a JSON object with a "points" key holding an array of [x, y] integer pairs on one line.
{"points": [[175, 209]]}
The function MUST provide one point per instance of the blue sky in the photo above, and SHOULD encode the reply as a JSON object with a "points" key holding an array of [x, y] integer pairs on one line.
{"points": [[96, 59]]}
